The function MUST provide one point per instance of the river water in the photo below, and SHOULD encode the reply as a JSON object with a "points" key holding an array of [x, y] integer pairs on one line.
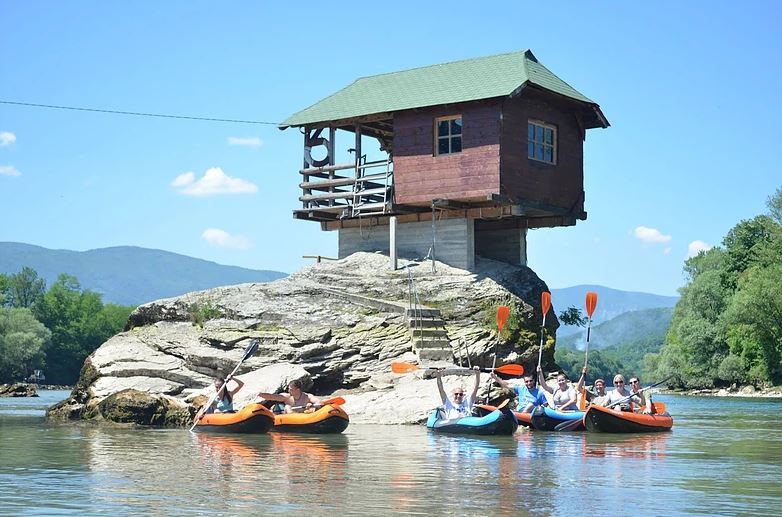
{"points": [[723, 457]]}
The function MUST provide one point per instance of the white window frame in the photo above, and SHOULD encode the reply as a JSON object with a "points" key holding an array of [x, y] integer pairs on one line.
{"points": [[448, 137], [543, 144]]}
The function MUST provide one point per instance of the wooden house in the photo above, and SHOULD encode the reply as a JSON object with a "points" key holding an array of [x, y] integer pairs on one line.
{"points": [[474, 153]]}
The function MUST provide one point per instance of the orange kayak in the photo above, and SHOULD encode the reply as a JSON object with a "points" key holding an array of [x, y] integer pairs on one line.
{"points": [[525, 419], [604, 420], [330, 418], [252, 418]]}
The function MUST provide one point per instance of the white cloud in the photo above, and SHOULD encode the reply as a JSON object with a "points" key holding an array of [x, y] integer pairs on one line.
{"points": [[222, 239], [7, 138], [650, 235], [214, 182], [9, 170], [696, 247], [248, 141]]}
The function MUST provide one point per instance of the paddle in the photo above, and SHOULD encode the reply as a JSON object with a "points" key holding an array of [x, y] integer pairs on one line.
{"points": [[249, 351], [545, 305], [637, 392], [591, 303], [568, 425], [336, 401], [515, 370], [503, 313]]}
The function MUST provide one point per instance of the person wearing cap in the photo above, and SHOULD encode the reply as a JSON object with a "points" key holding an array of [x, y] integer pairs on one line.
{"points": [[459, 405], [592, 397]]}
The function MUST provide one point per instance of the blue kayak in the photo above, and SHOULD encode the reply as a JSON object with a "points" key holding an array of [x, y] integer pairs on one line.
{"points": [[499, 422], [547, 419]]}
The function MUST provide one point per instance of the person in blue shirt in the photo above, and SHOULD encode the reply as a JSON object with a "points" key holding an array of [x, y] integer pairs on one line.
{"points": [[530, 396]]}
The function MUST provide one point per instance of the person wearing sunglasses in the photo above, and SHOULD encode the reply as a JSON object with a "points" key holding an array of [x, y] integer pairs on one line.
{"points": [[618, 393], [459, 405], [643, 401]]}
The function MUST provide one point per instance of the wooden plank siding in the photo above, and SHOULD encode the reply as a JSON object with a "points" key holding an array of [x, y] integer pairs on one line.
{"points": [[561, 184], [471, 175]]}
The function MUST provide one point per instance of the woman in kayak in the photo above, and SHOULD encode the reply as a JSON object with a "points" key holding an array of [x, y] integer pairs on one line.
{"points": [[224, 400], [460, 405], [296, 400], [618, 394], [564, 396]]}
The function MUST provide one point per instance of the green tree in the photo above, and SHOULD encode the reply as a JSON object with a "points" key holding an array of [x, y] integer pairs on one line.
{"points": [[573, 316], [775, 206], [3, 289], [79, 323], [22, 342], [24, 288]]}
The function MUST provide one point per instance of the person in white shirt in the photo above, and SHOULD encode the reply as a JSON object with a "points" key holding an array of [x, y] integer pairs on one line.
{"points": [[459, 406]]}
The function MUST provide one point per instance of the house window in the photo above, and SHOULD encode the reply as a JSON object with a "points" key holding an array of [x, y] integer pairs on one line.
{"points": [[448, 135], [541, 142]]}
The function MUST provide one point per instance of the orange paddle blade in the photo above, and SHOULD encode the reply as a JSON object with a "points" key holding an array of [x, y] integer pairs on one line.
{"points": [[516, 370], [545, 302], [336, 401], [403, 367], [502, 316], [591, 302], [659, 407]]}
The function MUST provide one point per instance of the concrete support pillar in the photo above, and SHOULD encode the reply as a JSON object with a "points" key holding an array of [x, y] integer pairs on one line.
{"points": [[392, 242]]}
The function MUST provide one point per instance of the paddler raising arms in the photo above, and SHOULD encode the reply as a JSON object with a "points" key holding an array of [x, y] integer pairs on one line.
{"points": [[296, 400]]}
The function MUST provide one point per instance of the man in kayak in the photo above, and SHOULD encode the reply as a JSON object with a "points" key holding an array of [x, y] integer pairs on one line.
{"points": [[643, 401], [460, 405], [529, 395], [564, 396], [592, 397], [296, 400]]}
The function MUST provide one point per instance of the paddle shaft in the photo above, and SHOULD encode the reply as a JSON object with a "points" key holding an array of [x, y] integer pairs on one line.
{"points": [[542, 336], [636, 393]]}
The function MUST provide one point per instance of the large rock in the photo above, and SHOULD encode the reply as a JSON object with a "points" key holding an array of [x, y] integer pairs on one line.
{"points": [[17, 390], [336, 326]]}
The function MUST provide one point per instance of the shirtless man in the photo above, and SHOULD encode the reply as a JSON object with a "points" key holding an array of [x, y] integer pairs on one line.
{"points": [[296, 400]]}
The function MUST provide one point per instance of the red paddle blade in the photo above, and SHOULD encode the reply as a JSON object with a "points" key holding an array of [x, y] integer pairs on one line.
{"points": [[403, 367], [591, 302], [545, 302], [516, 370], [502, 316]]}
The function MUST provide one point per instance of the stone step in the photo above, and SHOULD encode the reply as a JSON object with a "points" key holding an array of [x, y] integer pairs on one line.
{"points": [[429, 343], [425, 322], [426, 313], [435, 354], [428, 332]]}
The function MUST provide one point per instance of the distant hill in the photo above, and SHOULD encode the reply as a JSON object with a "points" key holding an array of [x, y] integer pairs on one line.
{"points": [[630, 327], [128, 275], [610, 303]]}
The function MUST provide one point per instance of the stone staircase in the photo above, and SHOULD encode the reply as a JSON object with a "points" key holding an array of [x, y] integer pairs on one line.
{"points": [[429, 337]]}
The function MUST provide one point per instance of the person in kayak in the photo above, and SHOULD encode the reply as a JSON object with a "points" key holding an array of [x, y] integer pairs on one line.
{"points": [[595, 396], [618, 394], [564, 396], [529, 395], [224, 401], [460, 405], [643, 401], [296, 400]]}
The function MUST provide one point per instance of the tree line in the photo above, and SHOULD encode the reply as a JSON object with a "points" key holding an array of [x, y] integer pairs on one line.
{"points": [[727, 327], [52, 329]]}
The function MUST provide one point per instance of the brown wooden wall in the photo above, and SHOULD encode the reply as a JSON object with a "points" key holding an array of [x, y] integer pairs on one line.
{"points": [[471, 175], [524, 179]]}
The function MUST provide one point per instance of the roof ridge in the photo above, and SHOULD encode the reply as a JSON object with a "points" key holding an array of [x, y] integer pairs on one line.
{"points": [[525, 52]]}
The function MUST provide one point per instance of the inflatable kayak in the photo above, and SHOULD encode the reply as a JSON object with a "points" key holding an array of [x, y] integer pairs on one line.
{"points": [[252, 418], [330, 418], [501, 421], [603, 420], [524, 419], [547, 419]]}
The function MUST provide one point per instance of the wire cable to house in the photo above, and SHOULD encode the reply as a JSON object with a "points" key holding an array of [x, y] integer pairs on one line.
{"points": [[136, 113]]}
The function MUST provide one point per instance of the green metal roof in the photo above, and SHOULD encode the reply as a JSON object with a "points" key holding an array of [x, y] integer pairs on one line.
{"points": [[449, 83]]}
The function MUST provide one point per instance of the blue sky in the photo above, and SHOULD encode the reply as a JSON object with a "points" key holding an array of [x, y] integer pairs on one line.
{"points": [[691, 90]]}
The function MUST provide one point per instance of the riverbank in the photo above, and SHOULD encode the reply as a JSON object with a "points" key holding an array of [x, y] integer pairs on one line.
{"points": [[744, 391]]}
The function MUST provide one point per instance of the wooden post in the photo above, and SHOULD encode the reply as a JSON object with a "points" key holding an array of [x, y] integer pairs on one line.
{"points": [[392, 242], [306, 204], [330, 150], [434, 236]]}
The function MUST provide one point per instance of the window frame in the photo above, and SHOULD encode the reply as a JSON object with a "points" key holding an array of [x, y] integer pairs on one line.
{"points": [[449, 137], [554, 146]]}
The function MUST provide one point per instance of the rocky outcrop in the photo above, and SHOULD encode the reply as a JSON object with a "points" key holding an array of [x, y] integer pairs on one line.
{"points": [[335, 326], [17, 390]]}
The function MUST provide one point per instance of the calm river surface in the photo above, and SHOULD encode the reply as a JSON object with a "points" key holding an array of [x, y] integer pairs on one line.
{"points": [[724, 457]]}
